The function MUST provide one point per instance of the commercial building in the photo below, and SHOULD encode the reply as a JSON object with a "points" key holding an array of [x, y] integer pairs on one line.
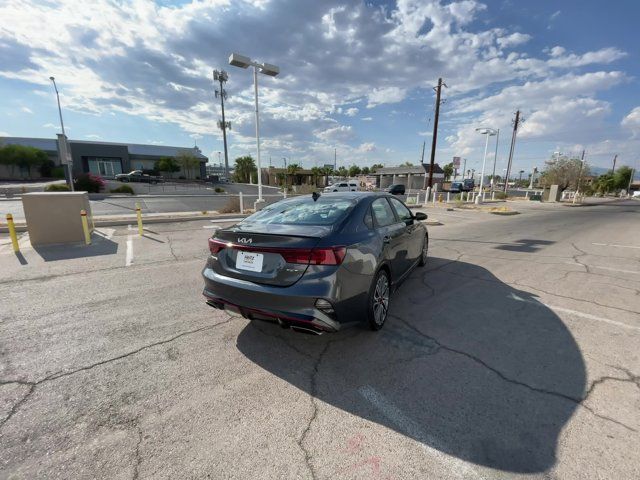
{"points": [[106, 159], [277, 176], [412, 177]]}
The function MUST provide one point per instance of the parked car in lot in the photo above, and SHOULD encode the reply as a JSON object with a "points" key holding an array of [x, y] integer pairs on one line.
{"points": [[457, 187], [349, 186], [316, 263], [397, 189], [138, 176], [468, 184]]}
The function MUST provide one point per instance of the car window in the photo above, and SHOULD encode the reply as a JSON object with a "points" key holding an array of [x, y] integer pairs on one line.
{"points": [[382, 212], [324, 211], [343, 185], [403, 212], [368, 219]]}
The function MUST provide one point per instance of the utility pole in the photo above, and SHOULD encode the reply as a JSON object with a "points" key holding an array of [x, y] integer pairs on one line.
{"points": [[495, 159], [438, 90], [335, 159], [464, 167], [614, 164], [221, 76], [424, 144], [516, 123], [575, 195]]}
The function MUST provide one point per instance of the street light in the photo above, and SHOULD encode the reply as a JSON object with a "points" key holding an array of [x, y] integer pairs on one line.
{"points": [[267, 69], [55, 87], [488, 132]]}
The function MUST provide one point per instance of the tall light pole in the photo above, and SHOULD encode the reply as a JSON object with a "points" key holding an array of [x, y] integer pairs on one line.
{"points": [[67, 148], [267, 69], [488, 132]]}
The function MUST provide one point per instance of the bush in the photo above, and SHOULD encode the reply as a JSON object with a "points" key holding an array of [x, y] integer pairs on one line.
{"points": [[88, 182], [182, 177], [57, 172], [57, 187], [46, 168], [218, 190], [123, 189], [232, 206], [500, 196]]}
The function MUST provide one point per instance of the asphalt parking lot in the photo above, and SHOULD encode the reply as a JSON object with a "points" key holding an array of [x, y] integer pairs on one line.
{"points": [[513, 354]]}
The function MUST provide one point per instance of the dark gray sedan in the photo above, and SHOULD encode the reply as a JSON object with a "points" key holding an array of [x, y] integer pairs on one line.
{"points": [[316, 263]]}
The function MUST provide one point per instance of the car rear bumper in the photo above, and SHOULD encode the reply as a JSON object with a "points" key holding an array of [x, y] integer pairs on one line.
{"points": [[292, 306]]}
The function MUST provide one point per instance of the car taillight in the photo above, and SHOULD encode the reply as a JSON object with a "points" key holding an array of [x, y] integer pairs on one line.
{"points": [[314, 256], [215, 246]]}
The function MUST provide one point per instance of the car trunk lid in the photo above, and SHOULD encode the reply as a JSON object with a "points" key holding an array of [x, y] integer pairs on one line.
{"points": [[271, 254]]}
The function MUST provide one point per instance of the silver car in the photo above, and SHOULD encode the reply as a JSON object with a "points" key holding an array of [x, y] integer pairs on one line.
{"points": [[316, 263]]}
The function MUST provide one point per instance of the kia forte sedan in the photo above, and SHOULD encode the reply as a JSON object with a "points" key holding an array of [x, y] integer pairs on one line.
{"points": [[316, 263]]}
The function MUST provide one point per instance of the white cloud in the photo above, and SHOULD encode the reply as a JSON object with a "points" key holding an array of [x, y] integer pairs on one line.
{"points": [[367, 147], [513, 40], [93, 136], [351, 112], [366, 119], [26, 110], [632, 121], [386, 95], [5, 134]]}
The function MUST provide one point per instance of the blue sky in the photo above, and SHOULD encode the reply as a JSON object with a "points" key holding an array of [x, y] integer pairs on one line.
{"points": [[356, 76]]}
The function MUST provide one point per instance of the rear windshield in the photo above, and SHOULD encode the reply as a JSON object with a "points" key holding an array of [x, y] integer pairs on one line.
{"points": [[324, 211]]}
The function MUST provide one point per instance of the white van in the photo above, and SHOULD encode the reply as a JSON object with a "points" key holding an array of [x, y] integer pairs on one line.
{"points": [[346, 186]]}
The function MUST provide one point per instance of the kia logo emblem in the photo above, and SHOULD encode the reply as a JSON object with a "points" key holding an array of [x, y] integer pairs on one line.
{"points": [[245, 240]]}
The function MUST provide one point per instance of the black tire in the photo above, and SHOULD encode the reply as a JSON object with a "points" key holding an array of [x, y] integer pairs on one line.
{"points": [[378, 301], [425, 251]]}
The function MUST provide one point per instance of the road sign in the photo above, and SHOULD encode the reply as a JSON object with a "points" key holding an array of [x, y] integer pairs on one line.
{"points": [[456, 162], [64, 152]]}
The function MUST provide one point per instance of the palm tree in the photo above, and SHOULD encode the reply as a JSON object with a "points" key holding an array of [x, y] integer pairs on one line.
{"points": [[316, 172], [292, 169], [326, 171], [245, 167]]}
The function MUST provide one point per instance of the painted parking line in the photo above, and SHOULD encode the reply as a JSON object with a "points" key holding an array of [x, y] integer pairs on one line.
{"points": [[416, 431], [129, 255], [106, 233], [225, 220], [615, 245], [575, 313]]}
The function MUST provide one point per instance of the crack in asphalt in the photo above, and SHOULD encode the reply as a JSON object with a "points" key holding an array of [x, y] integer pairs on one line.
{"points": [[170, 243], [137, 457], [314, 412], [576, 400], [54, 376]]}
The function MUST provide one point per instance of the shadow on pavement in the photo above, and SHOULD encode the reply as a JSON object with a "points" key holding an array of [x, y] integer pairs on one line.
{"points": [[526, 245], [99, 246], [466, 364]]}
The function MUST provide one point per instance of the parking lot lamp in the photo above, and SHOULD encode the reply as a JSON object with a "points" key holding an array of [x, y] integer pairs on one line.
{"points": [[488, 132], [267, 69]]}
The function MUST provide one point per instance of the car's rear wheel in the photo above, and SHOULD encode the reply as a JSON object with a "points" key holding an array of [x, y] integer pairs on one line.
{"points": [[425, 251], [378, 306]]}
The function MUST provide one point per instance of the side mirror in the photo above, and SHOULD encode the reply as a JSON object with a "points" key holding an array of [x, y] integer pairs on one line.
{"points": [[420, 216]]}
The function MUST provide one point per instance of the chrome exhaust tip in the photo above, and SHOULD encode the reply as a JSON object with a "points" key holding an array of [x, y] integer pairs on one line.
{"points": [[308, 331]]}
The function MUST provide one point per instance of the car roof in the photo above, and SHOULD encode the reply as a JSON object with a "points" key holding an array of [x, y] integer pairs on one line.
{"points": [[354, 195]]}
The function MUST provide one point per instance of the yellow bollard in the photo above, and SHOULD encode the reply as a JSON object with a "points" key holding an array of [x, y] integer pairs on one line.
{"points": [[12, 233], [139, 213], [85, 227]]}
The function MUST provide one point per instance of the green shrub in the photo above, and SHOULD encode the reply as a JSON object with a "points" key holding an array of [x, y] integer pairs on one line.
{"points": [[500, 196], [123, 189], [57, 172], [46, 168], [88, 182], [218, 190], [57, 187]]}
